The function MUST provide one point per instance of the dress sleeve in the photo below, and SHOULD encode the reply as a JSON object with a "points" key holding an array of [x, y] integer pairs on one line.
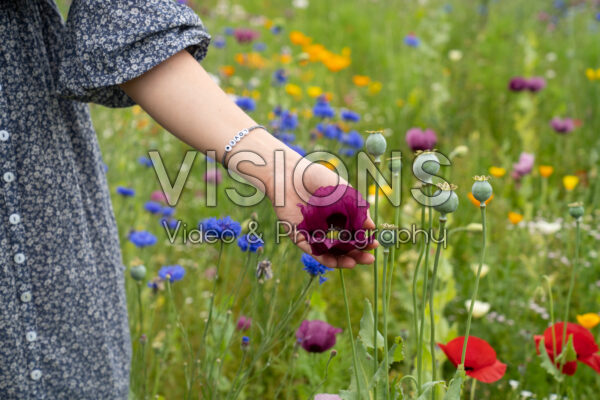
{"points": [[108, 42]]}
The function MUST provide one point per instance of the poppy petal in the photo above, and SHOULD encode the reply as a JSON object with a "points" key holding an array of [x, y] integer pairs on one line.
{"points": [[593, 361], [489, 374]]}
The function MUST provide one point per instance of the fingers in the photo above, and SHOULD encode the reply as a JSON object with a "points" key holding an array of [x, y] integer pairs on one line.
{"points": [[361, 257], [369, 224]]}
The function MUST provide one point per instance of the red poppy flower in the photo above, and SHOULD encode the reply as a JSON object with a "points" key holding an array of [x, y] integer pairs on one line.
{"points": [[480, 361], [333, 220], [583, 342]]}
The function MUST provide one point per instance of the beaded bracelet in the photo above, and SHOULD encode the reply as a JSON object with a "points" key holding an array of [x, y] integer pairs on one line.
{"points": [[239, 136]]}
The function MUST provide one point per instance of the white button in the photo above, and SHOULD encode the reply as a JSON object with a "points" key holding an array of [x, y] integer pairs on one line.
{"points": [[31, 336], [19, 258], [36, 374], [14, 219], [4, 135], [9, 177], [26, 297]]}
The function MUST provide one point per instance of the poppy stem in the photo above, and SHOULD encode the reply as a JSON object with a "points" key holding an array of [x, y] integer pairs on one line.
{"points": [[570, 293], [415, 310], [473, 389], [424, 290], [386, 253], [396, 176], [431, 292], [464, 350], [212, 296], [350, 335], [375, 283]]}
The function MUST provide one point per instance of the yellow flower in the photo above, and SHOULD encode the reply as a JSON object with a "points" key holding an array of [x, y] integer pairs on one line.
{"points": [[137, 110], [314, 91], [299, 38], [285, 58], [332, 163], [591, 74], [546, 170], [361, 80], [375, 87], [497, 172], [255, 94], [293, 90], [400, 103], [514, 217], [384, 190], [588, 320], [570, 182]]}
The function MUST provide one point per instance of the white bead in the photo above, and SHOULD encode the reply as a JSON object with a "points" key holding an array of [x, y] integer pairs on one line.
{"points": [[14, 219], [232, 142], [31, 336], [228, 148], [26, 297], [19, 258], [9, 177], [36, 374], [4, 135]]}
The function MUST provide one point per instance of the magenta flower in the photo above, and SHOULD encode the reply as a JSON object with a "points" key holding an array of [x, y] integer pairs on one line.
{"points": [[213, 176], [418, 139], [517, 84], [244, 323], [327, 396], [524, 166], [333, 220], [243, 35], [316, 336], [158, 195], [561, 125], [536, 84]]}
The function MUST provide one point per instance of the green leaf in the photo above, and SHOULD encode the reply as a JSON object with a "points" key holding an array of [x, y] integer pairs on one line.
{"points": [[365, 373], [547, 364], [456, 384], [366, 328], [398, 354], [428, 387], [568, 353]]}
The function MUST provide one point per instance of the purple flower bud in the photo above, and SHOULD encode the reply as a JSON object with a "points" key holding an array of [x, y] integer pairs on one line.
{"points": [[418, 139], [561, 125], [517, 84], [536, 84], [316, 336], [244, 323]]}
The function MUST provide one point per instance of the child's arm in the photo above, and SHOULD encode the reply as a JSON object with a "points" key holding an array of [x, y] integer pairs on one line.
{"points": [[182, 97]]}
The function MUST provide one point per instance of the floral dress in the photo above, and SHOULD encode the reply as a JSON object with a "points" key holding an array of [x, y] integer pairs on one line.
{"points": [[63, 319]]}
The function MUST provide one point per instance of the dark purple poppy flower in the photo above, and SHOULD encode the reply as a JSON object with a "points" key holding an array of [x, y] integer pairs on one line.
{"points": [[316, 336], [333, 220], [561, 125], [245, 35], [518, 84], [418, 139], [536, 84], [244, 323], [524, 166]]}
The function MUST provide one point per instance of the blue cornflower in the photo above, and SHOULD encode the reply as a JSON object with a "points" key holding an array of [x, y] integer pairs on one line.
{"points": [[219, 42], [353, 139], [322, 109], [142, 238], [286, 137], [250, 242], [598, 17], [350, 116], [332, 131], [168, 211], [245, 342], [223, 228], [246, 103], [145, 161], [172, 273], [277, 111], [297, 149], [125, 192], [411, 40], [288, 121], [229, 31], [171, 223], [280, 76], [259, 46], [276, 29], [347, 151], [153, 207], [314, 268]]}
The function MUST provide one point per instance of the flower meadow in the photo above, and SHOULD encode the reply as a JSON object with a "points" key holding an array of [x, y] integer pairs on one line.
{"points": [[493, 106]]}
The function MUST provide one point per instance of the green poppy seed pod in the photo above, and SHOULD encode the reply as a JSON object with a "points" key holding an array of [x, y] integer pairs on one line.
{"points": [[450, 205], [576, 210], [395, 164], [482, 190], [138, 272], [387, 236], [375, 145], [425, 166]]}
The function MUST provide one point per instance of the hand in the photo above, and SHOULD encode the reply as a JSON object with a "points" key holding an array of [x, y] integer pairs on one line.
{"points": [[316, 176]]}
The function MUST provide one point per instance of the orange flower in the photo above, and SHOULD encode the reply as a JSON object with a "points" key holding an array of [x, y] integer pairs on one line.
{"points": [[299, 38], [227, 70], [515, 218], [316, 52], [361, 80], [336, 63], [477, 202], [546, 170], [285, 58], [588, 320]]}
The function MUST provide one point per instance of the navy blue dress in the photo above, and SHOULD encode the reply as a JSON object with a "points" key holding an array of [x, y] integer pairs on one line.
{"points": [[63, 318]]}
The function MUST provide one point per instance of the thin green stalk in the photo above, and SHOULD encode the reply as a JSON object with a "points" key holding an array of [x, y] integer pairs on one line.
{"points": [[212, 296], [386, 254], [464, 349], [414, 295], [396, 176], [473, 389], [350, 335], [424, 297], [570, 293], [142, 343], [431, 292], [375, 284]]}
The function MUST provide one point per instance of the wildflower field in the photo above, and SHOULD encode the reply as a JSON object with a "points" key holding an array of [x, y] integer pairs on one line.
{"points": [[506, 91]]}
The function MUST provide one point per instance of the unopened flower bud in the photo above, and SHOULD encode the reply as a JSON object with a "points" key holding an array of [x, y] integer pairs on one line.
{"points": [[138, 272], [425, 166], [387, 236], [576, 210], [451, 204], [482, 190], [375, 145]]}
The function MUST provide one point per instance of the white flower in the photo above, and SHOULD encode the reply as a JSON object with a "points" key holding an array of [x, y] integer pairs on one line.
{"points": [[480, 308], [484, 269], [455, 55], [547, 228], [300, 4], [525, 394], [513, 384]]}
